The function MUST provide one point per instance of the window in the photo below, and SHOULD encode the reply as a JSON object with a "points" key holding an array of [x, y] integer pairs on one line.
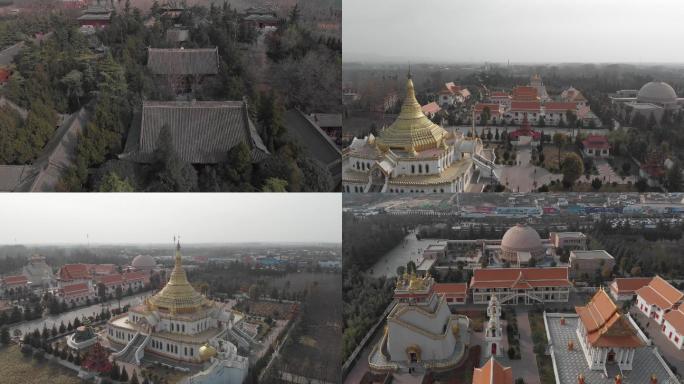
{"points": [[420, 168], [413, 168], [427, 168], [183, 327]]}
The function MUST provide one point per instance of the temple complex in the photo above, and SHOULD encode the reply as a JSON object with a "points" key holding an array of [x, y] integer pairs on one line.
{"points": [[606, 336], [600, 345], [179, 326], [413, 155], [421, 331]]}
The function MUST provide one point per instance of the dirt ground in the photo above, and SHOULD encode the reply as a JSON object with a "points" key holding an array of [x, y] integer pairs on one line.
{"points": [[15, 368]]}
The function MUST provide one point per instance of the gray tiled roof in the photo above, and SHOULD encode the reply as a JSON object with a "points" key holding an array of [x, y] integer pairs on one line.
{"points": [[315, 141], [203, 131], [179, 61]]}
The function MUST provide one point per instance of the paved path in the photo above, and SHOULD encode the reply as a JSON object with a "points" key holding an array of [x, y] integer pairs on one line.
{"points": [[361, 366], [78, 312], [666, 348], [607, 174], [527, 366], [547, 130], [524, 177]]}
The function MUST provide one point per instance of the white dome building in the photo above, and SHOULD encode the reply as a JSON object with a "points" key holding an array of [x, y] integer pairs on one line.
{"points": [[143, 263], [654, 98], [657, 92], [520, 244]]}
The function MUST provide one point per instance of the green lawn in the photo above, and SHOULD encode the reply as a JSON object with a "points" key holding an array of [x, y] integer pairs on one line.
{"points": [[544, 363]]}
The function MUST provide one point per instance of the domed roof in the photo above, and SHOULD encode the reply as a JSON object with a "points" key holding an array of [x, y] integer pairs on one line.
{"points": [[143, 261], [657, 92], [522, 238], [206, 352], [412, 130]]}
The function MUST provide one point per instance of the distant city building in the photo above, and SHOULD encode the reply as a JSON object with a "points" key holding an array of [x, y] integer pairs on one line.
{"points": [[590, 262], [520, 285], [38, 272], [569, 240], [330, 264]]}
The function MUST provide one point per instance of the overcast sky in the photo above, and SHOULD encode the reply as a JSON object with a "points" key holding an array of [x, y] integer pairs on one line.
{"points": [[154, 218], [515, 30]]}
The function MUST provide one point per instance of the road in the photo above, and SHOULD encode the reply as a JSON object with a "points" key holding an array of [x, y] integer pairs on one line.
{"points": [[69, 316], [547, 130], [409, 249]]}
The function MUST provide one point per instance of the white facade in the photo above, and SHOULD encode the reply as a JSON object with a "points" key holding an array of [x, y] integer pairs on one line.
{"points": [[521, 296], [598, 152], [652, 311], [597, 357], [493, 333], [672, 334]]}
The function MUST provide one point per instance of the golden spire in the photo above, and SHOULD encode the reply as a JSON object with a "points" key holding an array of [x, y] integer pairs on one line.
{"points": [[412, 131], [178, 296]]}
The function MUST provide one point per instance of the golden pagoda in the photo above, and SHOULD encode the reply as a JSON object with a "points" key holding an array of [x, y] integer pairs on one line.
{"points": [[178, 296], [412, 155], [177, 323], [412, 131]]}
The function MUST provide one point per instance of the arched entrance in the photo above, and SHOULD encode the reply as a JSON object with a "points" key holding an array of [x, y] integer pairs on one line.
{"points": [[377, 179], [493, 349], [611, 357]]}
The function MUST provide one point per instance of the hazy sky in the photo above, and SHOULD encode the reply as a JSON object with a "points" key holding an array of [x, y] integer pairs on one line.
{"points": [[515, 30], [154, 218]]}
